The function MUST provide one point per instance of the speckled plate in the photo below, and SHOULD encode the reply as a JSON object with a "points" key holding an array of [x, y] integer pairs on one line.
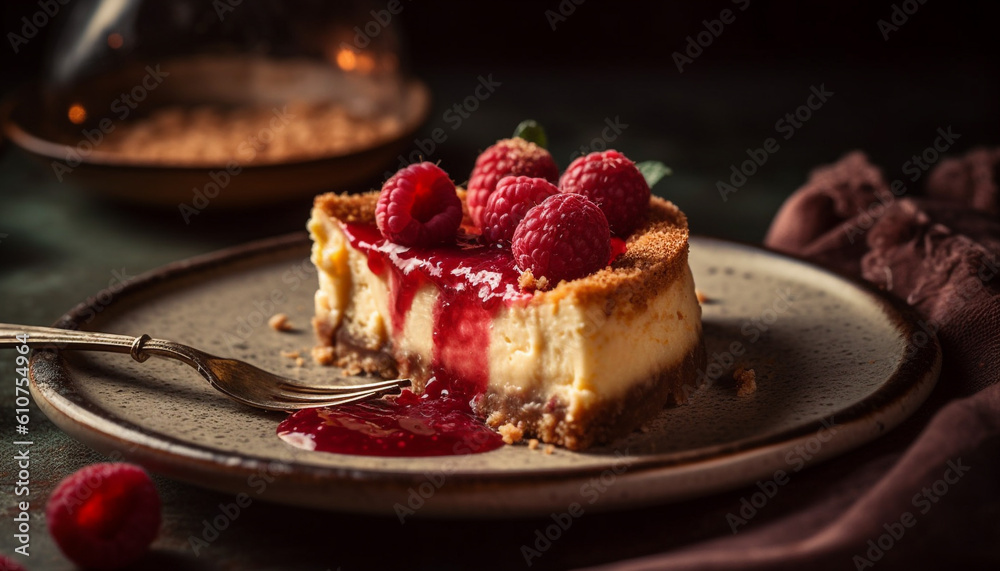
{"points": [[837, 365]]}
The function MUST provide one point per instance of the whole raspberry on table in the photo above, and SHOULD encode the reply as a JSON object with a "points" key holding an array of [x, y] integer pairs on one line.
{"points": [[508, 204], [104, 516], [8, 564], [564, 238], [613, 182], [507, 157], [419, 206]]}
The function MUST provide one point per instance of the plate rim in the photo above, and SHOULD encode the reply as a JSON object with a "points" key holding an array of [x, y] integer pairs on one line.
{"points": [[917, 374]]}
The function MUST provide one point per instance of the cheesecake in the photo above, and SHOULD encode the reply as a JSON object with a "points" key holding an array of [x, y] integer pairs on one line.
{"points": [[576, 363]]}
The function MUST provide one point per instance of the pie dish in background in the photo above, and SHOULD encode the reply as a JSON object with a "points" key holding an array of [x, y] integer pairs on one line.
{"points": [[194, 102]]}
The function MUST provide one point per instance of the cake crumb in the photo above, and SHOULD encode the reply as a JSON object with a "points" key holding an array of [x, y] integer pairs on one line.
{"points": [[280, 322], [746, 382], [323, 355], [352, 367], [290, 354], [300, 362], [511, 433], [702, 298], [533, 444], [549, 449], [528, 282]]}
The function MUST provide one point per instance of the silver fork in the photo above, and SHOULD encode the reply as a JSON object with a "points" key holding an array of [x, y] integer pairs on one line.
{"points": [[237, 379]]}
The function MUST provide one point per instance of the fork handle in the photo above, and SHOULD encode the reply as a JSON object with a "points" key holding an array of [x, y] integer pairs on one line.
{"points": [[52, 338]]}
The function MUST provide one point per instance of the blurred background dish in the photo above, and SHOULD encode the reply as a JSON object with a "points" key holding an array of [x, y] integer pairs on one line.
{"points": [[150, 102]]}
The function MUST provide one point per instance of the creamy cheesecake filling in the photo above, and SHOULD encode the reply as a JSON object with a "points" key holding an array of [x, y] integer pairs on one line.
{"points": [[585, 353]]}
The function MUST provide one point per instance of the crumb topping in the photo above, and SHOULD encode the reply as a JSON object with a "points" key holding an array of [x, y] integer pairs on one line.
{"points": [[349, 208], [212, 134], [655, 256], [528, 282]]}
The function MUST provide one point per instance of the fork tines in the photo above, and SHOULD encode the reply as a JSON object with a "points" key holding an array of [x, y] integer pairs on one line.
{"points": [[379, 386], [316, 401]]}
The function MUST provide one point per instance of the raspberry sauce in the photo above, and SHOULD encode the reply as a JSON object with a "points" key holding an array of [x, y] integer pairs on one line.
{"points": [[473, 281], [618, 248], [435, 423]]}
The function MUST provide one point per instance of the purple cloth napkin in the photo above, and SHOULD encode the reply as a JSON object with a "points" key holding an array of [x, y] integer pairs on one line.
{"points": [[926, 495]]}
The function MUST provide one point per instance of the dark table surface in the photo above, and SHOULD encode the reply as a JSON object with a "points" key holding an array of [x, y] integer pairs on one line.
{"points": [[60, 244]]}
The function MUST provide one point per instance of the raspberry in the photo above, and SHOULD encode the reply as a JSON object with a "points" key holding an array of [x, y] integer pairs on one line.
{"points": [[513, 198], [105, 515], [8, 564], [419, 206], [612, 182], [508, 157], [564, 238]]}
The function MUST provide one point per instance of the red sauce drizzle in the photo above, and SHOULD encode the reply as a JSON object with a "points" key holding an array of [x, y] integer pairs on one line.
{"points": [[618, 247], [474, 280], [436, 423]]}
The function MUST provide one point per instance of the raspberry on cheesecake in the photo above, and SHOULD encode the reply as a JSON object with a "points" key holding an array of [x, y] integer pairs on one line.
{"points": [[612, 182], [564, 238], [589, 359], [507, 157], [507, 206]]}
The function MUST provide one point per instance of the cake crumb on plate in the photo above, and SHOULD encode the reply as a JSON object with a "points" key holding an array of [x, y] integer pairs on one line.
{"points": [[549, 449], [533, 444], [290, 354], [746, 381], [350, 367], [511, 433], [280, 322], [323, 355]]}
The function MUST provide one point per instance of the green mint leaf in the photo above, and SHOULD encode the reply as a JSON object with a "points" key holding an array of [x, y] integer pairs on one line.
{"points": [[653, 171], [531, 131]]}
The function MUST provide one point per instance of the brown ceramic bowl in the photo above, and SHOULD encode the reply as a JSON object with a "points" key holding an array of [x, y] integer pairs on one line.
{"points": [[32, 126]]}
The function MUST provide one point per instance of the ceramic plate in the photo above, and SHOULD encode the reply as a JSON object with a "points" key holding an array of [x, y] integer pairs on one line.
{"points": [[837, 365]]}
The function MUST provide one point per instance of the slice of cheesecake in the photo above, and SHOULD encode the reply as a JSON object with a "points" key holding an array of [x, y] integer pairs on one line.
{"points": [[582, 363]]}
